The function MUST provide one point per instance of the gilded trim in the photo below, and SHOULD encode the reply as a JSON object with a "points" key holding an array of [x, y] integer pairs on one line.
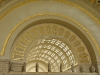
{"points": [[43, 14], [63, 1], [79, 7]]}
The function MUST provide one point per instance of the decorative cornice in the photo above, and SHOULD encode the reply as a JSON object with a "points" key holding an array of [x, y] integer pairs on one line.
{"points": [[95, 4]]}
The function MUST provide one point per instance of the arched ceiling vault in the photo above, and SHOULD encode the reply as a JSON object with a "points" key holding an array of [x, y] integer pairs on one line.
{"points": [[48, 42], [56, 22], [24, 16]]}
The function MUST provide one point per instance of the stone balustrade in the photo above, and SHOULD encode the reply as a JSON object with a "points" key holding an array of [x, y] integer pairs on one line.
{"points": [[48, 73], [11, 68]]}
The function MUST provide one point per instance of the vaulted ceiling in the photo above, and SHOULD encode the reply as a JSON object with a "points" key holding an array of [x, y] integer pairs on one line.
{"points": [[52, 31]]}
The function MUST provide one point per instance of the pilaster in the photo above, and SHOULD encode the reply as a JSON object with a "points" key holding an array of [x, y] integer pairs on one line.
{"points": [[4, 66]]}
